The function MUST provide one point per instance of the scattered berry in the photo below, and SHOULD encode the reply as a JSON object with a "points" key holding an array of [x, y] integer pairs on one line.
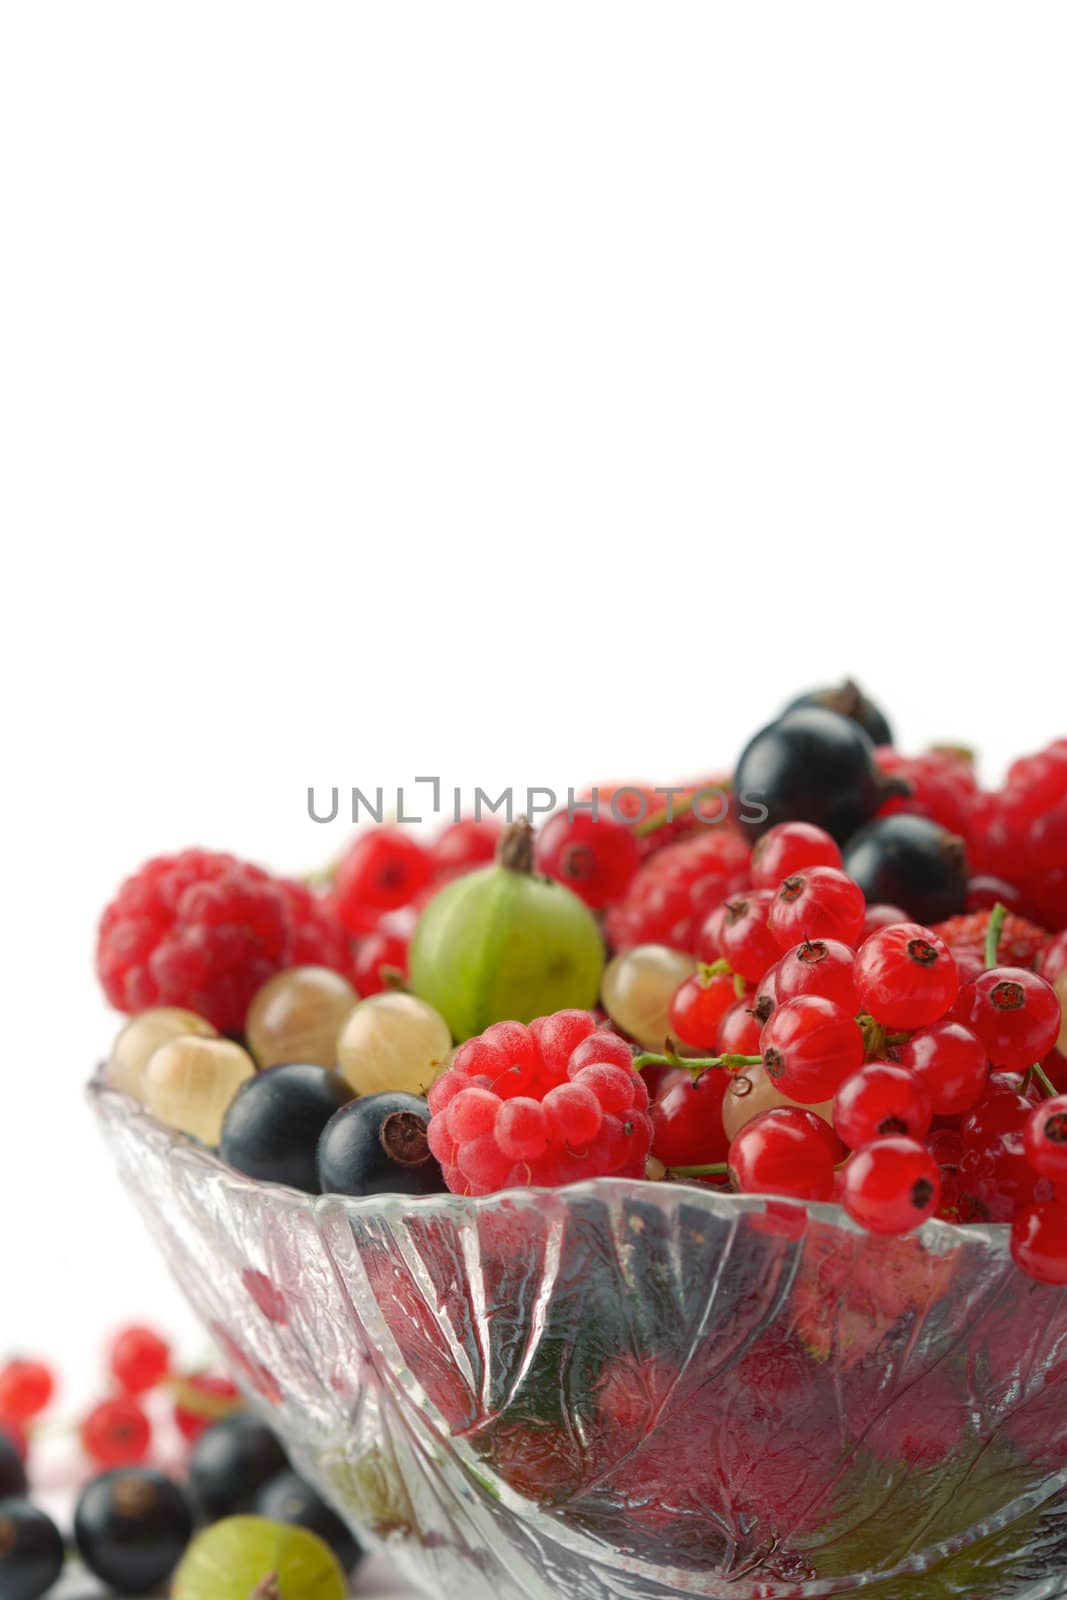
{"points": [[809, 1047], [905, 976], [32, 1554], [116, 1433], [698, 1007], [818, 966], [26, 1387], [819, 903], [740, 929], [687, 1126], [138, 1359], [230, 1463], [891, 1186], [131, 1528], [739, 1031]]}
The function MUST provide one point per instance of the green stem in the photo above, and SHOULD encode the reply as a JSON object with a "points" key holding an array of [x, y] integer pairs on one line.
{"points": [[662, 819], [694, 1064], [1037, 1071], [717, 1169], [993, 933]]}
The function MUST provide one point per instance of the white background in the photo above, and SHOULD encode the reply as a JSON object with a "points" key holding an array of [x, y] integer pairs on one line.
{"points": [[517, 393]]}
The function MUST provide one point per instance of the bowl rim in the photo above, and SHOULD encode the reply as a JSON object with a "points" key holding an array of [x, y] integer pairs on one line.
{"points": [[935, 1234]]}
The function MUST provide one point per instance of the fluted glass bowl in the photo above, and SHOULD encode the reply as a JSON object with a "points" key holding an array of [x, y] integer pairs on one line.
{"points": [[626, 1389]]}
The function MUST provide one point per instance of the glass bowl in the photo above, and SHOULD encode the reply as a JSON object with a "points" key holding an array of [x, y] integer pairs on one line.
{"points": [[634, 1391]]}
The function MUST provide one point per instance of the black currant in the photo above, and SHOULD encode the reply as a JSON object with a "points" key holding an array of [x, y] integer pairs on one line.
{"points": [[377, 1145], [12, 1472], [910, 862], [230, 1463], [848, 700], [131, 1527], [274, 1122], [31, 1551], [289, 1498], [810, 766]]}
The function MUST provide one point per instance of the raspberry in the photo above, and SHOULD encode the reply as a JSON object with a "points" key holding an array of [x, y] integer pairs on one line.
{"points": [[1021, 944], [674, 891], [199, 930], [317, 936], [551, 1104]]}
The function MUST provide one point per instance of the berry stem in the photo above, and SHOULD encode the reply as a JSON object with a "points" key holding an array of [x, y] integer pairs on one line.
{"points": [[716, 1169], [694, 1064], [993, 932], [1048, 1088], [267, 1589], [661, 819]]}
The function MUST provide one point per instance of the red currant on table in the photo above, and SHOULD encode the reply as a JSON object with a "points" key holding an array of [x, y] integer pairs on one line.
{"points": [[384, 869], [1039, 1242], [952, 1062], [698, 1007], [891, 1186], [26, 1387], [1015, 1013], [881, 1100], [809, 1047], [1045, 1139], [905, 976], [595, 857], [791, 847], [739, 929], [818, 903], [139, 1359], [818, 966], [116, 1433], [785, 1151]]}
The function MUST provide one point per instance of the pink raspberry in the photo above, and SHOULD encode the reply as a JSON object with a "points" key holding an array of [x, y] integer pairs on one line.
{"points": [[547, 1105]]}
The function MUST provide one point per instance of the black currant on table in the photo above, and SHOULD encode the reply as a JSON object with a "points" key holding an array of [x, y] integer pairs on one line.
{"points": [[131, 1527], [230, 1464], [31, 1551]]}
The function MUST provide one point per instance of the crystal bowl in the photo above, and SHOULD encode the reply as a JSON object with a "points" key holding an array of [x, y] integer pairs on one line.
{"points": [[634, 1391]]}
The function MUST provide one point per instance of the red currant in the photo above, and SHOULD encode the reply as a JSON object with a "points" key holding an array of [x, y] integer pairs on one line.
{"points": [[881, 916], [997, 1181], [739, 928], [809, 1047], [1015, 1013], [819, 903], [1045, 1139], [698, 1007], [384, 868], [983, 893], [818, 966], [116, 1433], [891, 1186], [952, 1062], [1053, 961], [784, 1151], [1002, 1109], [880, 1101], [687, 1126], [595, 857], [1039, 1242], [26, 1387], [139, 1359], [765, 999], [202, 1399], [739, 1032], [463, 845], [791, 847], [905, 976]]}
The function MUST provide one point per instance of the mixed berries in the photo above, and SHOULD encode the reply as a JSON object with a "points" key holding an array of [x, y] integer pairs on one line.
{"points": [[166, 1453], [843, 983]]}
